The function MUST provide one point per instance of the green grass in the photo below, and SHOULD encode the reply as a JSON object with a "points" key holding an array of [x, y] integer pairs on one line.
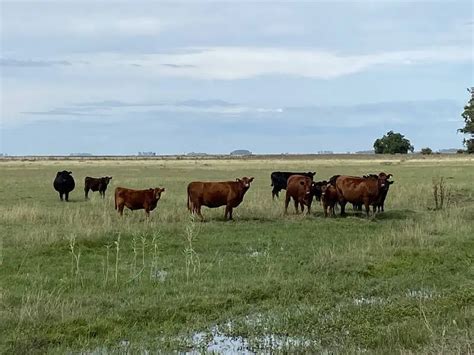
{"points": [[402, 281]]}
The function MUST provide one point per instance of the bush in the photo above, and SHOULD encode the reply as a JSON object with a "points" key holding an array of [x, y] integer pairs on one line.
{"points": [[426, 151]]}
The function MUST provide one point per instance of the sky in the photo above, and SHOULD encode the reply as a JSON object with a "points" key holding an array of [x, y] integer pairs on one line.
{"points": [[116, 77]]}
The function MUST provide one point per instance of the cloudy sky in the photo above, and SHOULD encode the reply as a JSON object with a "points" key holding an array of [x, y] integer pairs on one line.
{"points": [[110, 77]]}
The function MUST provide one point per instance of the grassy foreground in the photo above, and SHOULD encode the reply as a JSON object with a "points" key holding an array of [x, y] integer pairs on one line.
{"points": [[75, 277]]}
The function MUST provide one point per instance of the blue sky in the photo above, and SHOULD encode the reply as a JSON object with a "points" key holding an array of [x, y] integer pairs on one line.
{"points": [[121, 77]]}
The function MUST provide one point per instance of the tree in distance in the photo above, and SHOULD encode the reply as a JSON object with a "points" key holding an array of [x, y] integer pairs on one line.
{"points": [[468, 128], [392, 143], [426, 151]]}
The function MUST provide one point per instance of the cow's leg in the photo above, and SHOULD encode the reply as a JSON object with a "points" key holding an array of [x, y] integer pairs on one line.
{"points": [[61, 196], [198, 211], [120, 209], [147, 213], [325, 209], [287, 202], [309, 208], [276, 192], [343, 208], [229, 211], [296, 205], [367, 208], [86, 193], [66, 196]]}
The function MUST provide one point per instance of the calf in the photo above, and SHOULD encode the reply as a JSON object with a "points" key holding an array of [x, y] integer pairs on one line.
{"points": [[316, 189], [329, 199], [280, 179], [359, 190], [137, 199], [299, 189], [96, 184], [216, 194], [64, 184]]}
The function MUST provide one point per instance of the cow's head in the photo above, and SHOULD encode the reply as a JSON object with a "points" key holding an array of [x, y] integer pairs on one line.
{"points": [[157, 192], [245, 181], [64, 173], [324, 188], [316, 189], [106, 180], [311, 174], [383, 181]]}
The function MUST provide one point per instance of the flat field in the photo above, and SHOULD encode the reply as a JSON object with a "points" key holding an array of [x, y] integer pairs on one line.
{"points": [[75, 277]]}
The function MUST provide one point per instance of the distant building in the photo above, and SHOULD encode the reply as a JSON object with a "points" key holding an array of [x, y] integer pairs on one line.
{"points": [[195, 154], [449, 151], [240, 152], [325, 152], [80, 155], [146, 154], [365, 152]]}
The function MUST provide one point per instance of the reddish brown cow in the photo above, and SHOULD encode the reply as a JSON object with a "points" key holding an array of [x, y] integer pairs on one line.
{"points": [[299, 189], [359, 190], [137, 199], [216, 194], [329, 199]]}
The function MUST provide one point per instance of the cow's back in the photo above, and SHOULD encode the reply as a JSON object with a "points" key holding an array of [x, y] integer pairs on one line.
{"points": [[356, 189], [64, 183], [133, 199], [212, 194]]}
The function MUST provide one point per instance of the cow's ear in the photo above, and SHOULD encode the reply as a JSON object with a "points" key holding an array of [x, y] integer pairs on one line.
{"points": [[389, 176], [251, 179], [110, 177], [69, 172], [237, 179], [163, 189], [390, 182]]}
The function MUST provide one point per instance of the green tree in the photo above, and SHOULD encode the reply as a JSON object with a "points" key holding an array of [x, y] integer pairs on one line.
{"points": [[426, 151], [468, 128], [392, 143]]}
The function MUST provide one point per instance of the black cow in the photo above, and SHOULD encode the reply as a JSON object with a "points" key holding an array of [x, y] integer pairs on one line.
{"points": [[280, 178], [96, 184], [64, 184]]}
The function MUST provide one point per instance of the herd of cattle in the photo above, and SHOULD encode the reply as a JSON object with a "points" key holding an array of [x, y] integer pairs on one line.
{"points": [[368, 190]]}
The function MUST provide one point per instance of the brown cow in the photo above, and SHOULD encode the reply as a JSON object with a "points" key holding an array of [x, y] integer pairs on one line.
{"points": [[359, 190], [216, 194], [380, 203], [329, 198], [137, 199], [96, 184], [299, 189]]}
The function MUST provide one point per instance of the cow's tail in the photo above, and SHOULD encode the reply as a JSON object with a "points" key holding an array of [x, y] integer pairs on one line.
{"points": [[189, 201], [115, 200]]}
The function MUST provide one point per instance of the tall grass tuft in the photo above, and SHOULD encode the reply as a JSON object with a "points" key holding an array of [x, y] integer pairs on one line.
{"points": [[441, 193], [117, 256], [75, 258], [193, 264]]}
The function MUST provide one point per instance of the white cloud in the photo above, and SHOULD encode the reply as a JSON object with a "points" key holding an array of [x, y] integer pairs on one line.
{"points": [[232, 63]]}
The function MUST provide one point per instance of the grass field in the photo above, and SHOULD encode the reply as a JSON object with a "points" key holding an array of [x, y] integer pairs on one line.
{"points": [[75, 277]]}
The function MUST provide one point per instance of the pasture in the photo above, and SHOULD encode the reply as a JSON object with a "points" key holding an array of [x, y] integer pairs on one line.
{"points": [[75, 277]]}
